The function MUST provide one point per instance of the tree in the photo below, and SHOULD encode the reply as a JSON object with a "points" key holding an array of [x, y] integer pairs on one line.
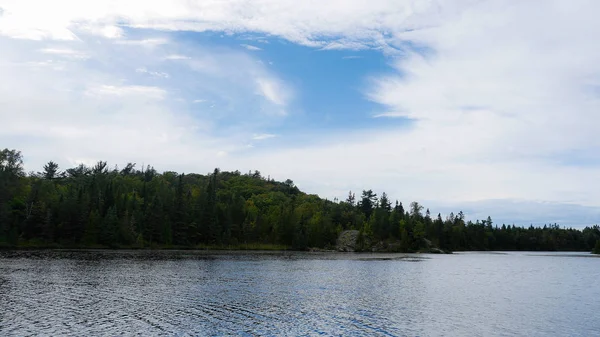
{"points": [[367, 202], [101, 167], [97, 206], [179, 224], [384, 202], [109, 233], [351, 198], [210, 210], [415, 210], [12, 204], [418, 234], [11, 163], [51, 171], [597, 247], [128, 169], [79, 171], [92, 228]]}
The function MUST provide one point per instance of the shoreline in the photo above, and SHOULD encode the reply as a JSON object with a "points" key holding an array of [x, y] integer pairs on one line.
{"points": [[261, 248]]}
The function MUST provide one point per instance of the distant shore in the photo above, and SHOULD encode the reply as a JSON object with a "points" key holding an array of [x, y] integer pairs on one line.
{"points": [[245, 247]]}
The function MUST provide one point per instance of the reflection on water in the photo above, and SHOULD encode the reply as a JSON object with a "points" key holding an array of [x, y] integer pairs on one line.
{"points": [[273, 294]]}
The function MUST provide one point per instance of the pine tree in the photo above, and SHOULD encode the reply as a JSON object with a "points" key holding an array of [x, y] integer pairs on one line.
{"points": [[367, 203], [51, 171], [210, 210], [597, 247], [179, 223], [92, 228], [110, 228]]}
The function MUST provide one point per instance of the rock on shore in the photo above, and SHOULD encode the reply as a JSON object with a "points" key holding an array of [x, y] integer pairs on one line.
{"points": [[347, 240]]}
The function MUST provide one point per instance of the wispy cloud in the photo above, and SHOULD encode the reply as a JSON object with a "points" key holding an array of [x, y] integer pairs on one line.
{"points": [[108, 31], [263, 136], [273, 91], [531, 71], [355, 24], [177, 57], [101, 104], [65, 52], [152, 73], [126, 90], [250, 47], [143, 42]]}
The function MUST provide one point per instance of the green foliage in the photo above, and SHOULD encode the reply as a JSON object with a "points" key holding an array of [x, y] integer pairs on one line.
{"points": [[597, 247], [140, 208], [92, 228]]}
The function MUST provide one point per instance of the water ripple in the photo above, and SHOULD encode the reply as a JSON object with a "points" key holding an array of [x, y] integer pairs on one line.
{"points": [[107, 293]]}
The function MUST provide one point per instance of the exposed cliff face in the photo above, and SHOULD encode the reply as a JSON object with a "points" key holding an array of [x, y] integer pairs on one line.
{"points": [[354, 241], [347, 241]]}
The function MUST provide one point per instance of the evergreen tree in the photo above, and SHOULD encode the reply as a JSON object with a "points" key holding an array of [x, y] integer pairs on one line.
{"points": [[90, 206], [51, 171], [351, 199], [367, 202], [110, 228]]}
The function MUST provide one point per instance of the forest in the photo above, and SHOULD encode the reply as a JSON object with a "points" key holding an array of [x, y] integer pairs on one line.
{"points": [[102, 207]]}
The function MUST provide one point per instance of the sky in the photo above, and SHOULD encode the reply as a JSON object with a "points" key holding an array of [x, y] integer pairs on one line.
{"points": [[490, 107]]}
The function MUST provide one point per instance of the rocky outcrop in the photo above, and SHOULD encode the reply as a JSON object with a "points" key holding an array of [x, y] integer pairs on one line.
{"points": [[353, 241], [347, 241], [437, 251], [430, 248]]}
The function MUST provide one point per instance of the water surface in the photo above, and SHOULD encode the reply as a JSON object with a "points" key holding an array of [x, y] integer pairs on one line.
{"points": [[298, 294]]}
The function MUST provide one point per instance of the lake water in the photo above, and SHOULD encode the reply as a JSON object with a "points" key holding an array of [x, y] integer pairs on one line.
{"points": [[298, 294]]}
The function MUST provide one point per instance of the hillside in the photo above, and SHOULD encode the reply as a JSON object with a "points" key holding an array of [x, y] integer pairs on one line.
{"points": [[129, 207]]}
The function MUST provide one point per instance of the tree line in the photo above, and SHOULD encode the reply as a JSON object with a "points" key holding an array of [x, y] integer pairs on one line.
{"points": [[99, 206]]}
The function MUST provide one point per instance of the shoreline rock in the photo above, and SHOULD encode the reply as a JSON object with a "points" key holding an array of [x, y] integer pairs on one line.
{"points": [[348, 242]]}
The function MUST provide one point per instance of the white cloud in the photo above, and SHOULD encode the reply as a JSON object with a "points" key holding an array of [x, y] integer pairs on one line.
{"points": [[273, 91], [126, 90], [99, 110], [177, 57], [107, 31], [519, 212], [502, 95], [263, 136], [229, 79], [143, 42], [357, 23], [77, 116], [152, 73], [251, 47], [111, 32], [65, 52], [500, 105]]}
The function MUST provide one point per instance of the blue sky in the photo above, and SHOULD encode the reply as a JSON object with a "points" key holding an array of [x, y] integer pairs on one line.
{"points": [[489, 107]]}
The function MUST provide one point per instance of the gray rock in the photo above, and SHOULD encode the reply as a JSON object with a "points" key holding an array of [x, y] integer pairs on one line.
{"points": [[435, 250], [347, 240]]}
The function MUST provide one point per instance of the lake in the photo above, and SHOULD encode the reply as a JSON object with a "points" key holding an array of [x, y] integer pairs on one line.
{"points": [[183, 293]]}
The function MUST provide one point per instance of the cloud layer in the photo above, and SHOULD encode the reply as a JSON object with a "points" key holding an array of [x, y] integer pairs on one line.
{"points": [[122, 103], [501, 97]]}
